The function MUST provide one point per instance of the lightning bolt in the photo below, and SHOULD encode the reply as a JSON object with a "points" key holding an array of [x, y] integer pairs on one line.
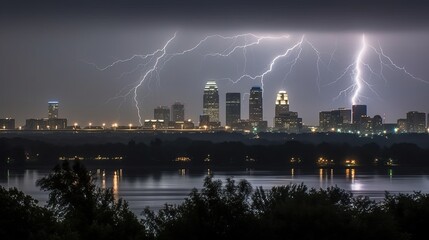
{"points": [[357, 68], [358, 76], [159, 58], [262, 76]]}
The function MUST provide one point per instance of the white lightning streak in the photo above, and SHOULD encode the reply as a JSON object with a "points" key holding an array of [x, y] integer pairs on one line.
{"points": [[358, 76], [154, 67]]}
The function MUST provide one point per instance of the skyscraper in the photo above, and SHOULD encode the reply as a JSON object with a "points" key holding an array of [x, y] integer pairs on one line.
{"points": [[53, 109], [285, 120], [162, 113], [211, 101], [358, 111], [233, 108], [255, 105], [282, 103], [178, 112]]}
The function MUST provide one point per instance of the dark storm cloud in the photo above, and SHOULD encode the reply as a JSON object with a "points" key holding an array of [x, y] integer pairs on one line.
{"points": [[302, 14]]}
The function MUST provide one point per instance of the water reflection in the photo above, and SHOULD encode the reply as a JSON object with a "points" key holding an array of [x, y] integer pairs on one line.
{"points": [[142, 187]]}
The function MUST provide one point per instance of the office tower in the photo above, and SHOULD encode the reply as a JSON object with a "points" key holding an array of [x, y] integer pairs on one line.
{"points": [[416, 122], [53, 109], [282, 103], [285, 120], [358, 111], [233, 108], [162, 113], [211, 101], [178, 112], [255, 105]]}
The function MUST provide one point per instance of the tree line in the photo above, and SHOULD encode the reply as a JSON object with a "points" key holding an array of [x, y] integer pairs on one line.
{"points": [[19, 152], [78, 209]]}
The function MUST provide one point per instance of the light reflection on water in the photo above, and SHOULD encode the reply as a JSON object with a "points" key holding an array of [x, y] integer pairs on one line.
{"points": [[155, 188]]}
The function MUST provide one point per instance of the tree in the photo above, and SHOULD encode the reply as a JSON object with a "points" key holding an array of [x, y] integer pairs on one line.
{"points": [[217, 212], [22, 218], [89, 211]]}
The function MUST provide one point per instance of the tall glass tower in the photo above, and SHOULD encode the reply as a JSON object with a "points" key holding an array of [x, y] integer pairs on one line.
{"points": [[211, 101], [255, 105], [233, 108]]}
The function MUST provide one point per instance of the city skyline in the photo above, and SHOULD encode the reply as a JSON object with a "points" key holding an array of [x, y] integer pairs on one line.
{"points": [[89, 65]]}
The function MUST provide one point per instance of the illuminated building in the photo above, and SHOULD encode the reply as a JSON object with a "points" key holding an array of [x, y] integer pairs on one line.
{"points": [[162, 113], [178, 112], [416, 122], [255, 105], [282, 103], [233, 108], [7, 124], [285, 120], [154, 124], [53, 109], [211, 101]]}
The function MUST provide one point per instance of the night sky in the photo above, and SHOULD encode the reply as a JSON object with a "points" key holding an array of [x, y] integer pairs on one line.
{"points": [[50, 52]]}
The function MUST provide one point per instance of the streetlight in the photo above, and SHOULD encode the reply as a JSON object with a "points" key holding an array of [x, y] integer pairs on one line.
{"points": [[104, 125], [90, 125], [130, 125]]}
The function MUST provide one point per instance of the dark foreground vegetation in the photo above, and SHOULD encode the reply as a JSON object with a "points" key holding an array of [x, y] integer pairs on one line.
{"points": [[78, 209], [19, 152]]}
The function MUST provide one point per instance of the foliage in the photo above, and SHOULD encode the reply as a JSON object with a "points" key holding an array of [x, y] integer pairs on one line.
{"points": [[88, 211]]}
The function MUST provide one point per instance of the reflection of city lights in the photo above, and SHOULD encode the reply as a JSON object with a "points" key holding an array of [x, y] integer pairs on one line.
{"points": [[115, 186]]}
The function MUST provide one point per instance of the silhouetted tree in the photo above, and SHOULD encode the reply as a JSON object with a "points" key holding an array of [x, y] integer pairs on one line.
{"points": [[90, 212]]}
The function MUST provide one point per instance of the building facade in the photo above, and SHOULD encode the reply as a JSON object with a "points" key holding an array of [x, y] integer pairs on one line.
{"points": [[255, 105], [358, 111], [162, 113], [211, 101], [233, 108], [416, 122], [53, 108], [178, 112], [7, 124]]}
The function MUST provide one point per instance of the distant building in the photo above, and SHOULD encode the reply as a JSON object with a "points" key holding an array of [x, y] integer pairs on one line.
{"points": [[233, 108], [46, 124], [402, 126], [282, 103], [325, 121], [377, 124], [357, 112], [204, 121], [416, 122], [53, 108], [162, 113], [178, 112], [7, 124], [255, 105], [285, 120], [184, 125], [335, 120], [154, 124], [211, 101]]}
